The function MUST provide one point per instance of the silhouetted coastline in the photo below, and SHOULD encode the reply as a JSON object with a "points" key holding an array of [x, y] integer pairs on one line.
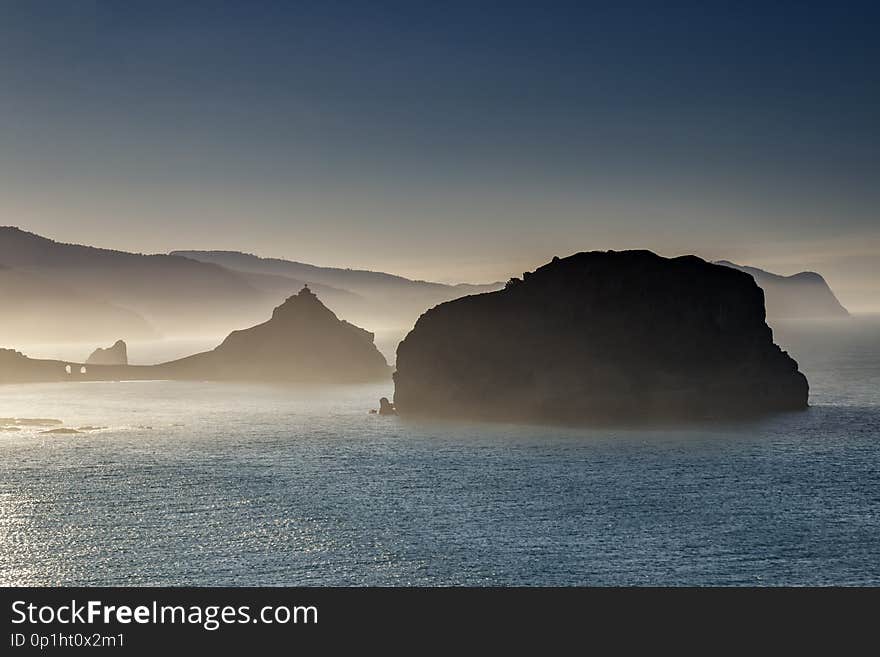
{"points": [[303, 341]]}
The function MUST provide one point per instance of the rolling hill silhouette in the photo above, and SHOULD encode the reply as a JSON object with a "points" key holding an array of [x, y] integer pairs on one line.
{"points": [[103, 294], [173, 294], [39, 309], [57, 292], [378, 299]]}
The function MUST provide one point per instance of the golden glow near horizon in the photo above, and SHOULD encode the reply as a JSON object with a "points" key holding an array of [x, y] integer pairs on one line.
{"points": [[431, 147]]}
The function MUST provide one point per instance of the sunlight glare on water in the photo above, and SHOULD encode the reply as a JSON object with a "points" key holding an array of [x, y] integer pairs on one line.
{"points": [[199, 483]]}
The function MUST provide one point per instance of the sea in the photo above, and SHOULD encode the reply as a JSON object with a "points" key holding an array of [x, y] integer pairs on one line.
{"points": [[173, 483]]}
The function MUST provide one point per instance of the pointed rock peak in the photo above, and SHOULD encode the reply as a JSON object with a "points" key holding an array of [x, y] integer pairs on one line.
{"points": [[115, 355], [303, 341], [305, 295], [304, 303]]}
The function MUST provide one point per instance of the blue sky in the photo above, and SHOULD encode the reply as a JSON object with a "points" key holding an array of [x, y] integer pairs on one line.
{"points": [[456, 141]]}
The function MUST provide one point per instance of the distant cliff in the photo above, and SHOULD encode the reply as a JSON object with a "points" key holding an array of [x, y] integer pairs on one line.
{"points": [[800, 296], [601, 336]]}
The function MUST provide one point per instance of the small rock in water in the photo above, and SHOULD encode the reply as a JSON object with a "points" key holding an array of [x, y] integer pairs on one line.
{"points": [[386, 407], [89, 427], [10, 428], [61, 430]]}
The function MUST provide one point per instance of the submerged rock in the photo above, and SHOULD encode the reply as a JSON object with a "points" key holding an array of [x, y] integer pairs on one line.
{"points": [[61, 430], [601, 336], [115, 355]]}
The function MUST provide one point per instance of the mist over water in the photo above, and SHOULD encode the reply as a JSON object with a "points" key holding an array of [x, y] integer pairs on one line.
{"points": [[841, 358], [140, 352], [150, 352], [206, 483]]}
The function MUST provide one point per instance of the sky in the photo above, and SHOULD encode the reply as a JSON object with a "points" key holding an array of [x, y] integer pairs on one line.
{"points": [[454, 141]]}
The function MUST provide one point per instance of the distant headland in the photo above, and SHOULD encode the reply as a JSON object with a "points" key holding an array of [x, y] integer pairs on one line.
{"points": [[805, 295], [303, 341]]}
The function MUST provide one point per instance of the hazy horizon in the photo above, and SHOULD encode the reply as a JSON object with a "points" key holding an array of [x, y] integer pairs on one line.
{"points": [[463, 143], [783, 266]]}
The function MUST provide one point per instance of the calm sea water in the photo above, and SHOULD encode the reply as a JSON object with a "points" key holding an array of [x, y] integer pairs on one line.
{"points": [[223, 484]]}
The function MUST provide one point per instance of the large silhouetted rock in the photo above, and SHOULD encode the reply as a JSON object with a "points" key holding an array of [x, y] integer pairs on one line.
{"points": [[115, 355], [601, 336]]}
